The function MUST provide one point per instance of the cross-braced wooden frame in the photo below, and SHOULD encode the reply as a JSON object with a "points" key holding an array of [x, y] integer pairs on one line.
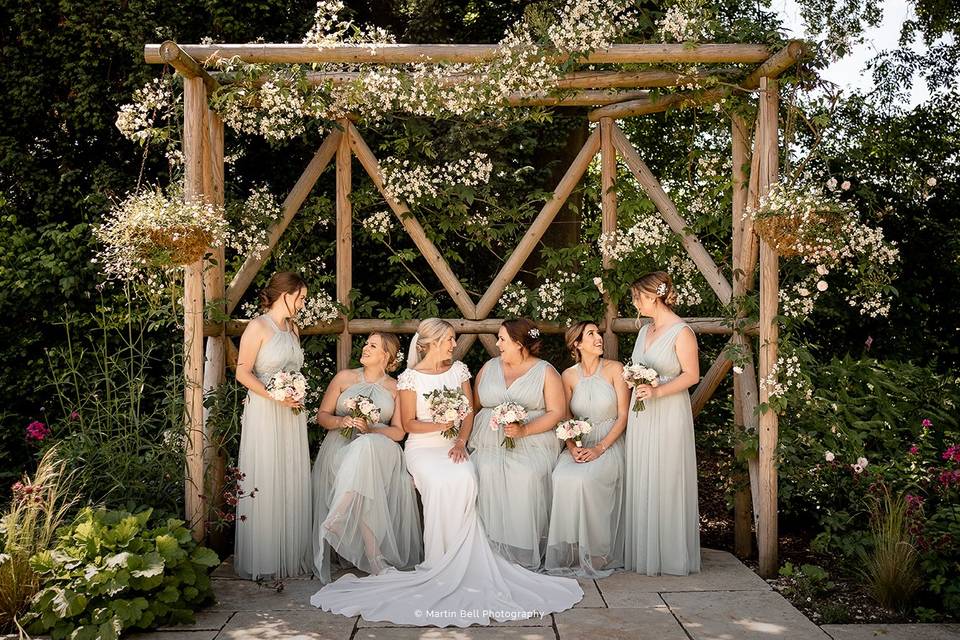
{"points": [[754, 172]]}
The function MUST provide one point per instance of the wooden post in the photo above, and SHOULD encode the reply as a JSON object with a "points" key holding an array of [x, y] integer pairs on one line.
{"points": [[767, 532], [344, 241], [742, 538], [215, 367], [194, 137], [608, 203]]}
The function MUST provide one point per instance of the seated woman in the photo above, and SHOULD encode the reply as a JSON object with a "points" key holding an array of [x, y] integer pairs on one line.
{"points": [[365, 508], [586, 519], [515, 483]]}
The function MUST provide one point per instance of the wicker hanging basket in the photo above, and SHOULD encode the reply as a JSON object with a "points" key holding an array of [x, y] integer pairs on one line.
{"points": [[182, 244], [789, 233]]}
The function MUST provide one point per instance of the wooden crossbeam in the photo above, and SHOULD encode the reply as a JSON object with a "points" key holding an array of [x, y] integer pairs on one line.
{"points": [[427, 249], [709, 382], [185, 65], [539, 226], [291, 205], [642, 106], [375, 53], [466, 327], [668, 210]]}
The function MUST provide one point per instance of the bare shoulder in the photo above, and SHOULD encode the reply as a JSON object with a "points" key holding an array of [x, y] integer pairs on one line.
{"points": [[390, 384], [612, 367]]}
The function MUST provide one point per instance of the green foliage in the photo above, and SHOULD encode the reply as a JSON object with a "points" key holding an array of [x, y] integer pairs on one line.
{"points": [[891, 567], [112, 571], [123, 431]]}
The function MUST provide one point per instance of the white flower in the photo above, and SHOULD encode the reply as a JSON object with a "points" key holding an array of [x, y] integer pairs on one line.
{"points": [[832, 184], [845, 185], [862, 462], [598, 282], [822, 270], [931, 182], [822, 285], [803, 291], [828, 456], [737, 369]]}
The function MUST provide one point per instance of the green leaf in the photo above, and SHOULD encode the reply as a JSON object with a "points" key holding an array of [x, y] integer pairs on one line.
{"points": [[67, 603], [205, 557], [169, 548], [152, 565]]}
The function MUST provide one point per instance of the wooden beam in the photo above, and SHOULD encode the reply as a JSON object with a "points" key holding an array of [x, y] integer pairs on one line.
{"points": [[608, 206], [793, 52], [427, 249], [644, 106], [344, 248], [376, 53], [767, 532], [668, 210], [709, 382], [466, 327], [186, 66], [580, 98], [291, 204], [652, 78], [539, 226], [194, 145]]}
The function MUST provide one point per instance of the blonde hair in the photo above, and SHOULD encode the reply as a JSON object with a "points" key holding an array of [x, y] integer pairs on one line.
{"points": [[658, 284], [391, 346], [431, 331]]}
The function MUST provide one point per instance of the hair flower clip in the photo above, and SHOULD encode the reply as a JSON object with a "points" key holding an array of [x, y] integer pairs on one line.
{"points": [[534, 333], [662, 289]]}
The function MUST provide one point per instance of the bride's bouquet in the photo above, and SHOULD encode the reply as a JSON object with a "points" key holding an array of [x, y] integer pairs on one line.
{"points": [[448, 405], [361, 406], [507, 413], [573, 429], [288, 384], [637, 374]]}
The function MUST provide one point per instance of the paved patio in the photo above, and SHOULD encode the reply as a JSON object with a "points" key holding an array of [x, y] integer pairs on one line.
{"points": [[726, 601]]}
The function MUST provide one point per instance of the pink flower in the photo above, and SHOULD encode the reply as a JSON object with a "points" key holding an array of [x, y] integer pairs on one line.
{"points": [[948, 478], [37, 431], [74, 416], [952, 453], [914, 449], [927, 423]]}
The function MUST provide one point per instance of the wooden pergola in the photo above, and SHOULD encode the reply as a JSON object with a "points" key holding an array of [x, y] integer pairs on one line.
{"points": [[614, 95]]}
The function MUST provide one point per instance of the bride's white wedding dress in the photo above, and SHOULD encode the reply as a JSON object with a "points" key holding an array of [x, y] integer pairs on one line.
{"points": [[461, 581]]}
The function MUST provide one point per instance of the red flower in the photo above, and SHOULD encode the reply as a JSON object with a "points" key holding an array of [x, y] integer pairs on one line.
{"points": [[927, 423], [37, 431], [914, 449]]}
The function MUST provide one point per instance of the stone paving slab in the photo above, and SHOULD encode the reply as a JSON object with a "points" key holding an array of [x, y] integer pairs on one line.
{"points": [[227, 572], [207, 620], [174, 635], [455, 633], [591, 595], [719, 571], [744, 615], [893, 631], [647, 623], [243, 595], [286, 625]]}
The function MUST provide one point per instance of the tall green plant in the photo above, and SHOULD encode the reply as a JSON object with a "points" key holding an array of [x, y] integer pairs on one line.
{"points": [[124, 433], [37, 509], [891, 568]]}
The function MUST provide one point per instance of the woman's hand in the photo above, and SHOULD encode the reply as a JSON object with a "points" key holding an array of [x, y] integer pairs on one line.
{"points": [[585, 454], [646, 392], [348, 422], [515, 430], [290, 403], [458, 452]]}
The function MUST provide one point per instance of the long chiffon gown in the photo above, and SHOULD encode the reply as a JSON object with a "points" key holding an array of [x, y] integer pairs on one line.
{"points": [[273, 527], [515, 484], [662, 532], [364, 505], [461, 581], [587, 517]]}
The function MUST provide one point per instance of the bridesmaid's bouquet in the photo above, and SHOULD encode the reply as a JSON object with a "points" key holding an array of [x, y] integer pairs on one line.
{"points": [[288, 384], [573, 429], [361, 406], [507, 413], [448, 405], [637, 374]]}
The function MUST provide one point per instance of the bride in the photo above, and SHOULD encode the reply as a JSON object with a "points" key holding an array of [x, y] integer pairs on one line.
{"points": [[461, 580]]}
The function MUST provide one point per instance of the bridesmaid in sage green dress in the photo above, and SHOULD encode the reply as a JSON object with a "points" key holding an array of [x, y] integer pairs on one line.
{"points": [[662, 532], [365, 508], [273, 527], [514, 494], [587, 519]]}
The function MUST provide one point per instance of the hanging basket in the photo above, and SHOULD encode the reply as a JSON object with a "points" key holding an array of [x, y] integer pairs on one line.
{"points": [[176, 245], [793, 234]]}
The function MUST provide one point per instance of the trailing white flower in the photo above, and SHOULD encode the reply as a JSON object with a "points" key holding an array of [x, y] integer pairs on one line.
{"points": [[647, 232], [412, 183], [153, 101], [251, 233], [379, 224], [318, 308], [685, 21], [514, 300], [585, 25]]}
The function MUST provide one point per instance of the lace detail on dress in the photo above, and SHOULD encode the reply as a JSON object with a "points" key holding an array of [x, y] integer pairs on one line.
{"points": [[461, 371], [406, 381]]}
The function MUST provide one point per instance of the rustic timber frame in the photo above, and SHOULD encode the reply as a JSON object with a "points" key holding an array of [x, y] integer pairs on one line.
{"points": [[755, 152]]}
